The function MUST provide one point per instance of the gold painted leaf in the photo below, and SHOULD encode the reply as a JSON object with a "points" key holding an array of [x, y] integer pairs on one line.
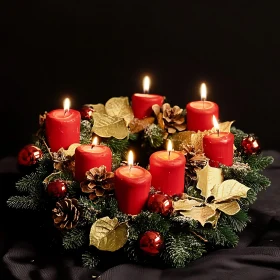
{"points": [[185, 204], [108, 126], [98, 108], [208, 178], [182, 139], [225, 126], [108, 234], [214, 219], [70, 152], [228, 207], [119, 107], [229, 189], [137, 125], [51, 177], [197, 140], [201, 214]]}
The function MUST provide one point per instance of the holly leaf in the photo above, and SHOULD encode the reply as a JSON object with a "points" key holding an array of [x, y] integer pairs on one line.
{"points": [[108, 126], [98, 108], [108, 234], [208, 178], [228, 190], [185, 204], [119, 107], [182, 139], [228, 207], [201, 214], [137, 125]]}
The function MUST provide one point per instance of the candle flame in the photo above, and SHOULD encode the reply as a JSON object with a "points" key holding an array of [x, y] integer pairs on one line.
{"points": [[203, 91], [130, 158], [146, 84], [66, 105], [94, 141], [215, 123], [169, 146]]}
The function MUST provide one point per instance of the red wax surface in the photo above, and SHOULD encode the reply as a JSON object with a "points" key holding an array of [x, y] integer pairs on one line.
{"points": [[199, 117], [62, 130], [168, 174], [132, 188], [142, 104], [87, 157], [219, 149]]}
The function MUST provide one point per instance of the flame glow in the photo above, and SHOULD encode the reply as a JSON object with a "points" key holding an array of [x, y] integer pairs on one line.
{"points": [[94, 141], [215, 123], [146, 84], [203, 91], [169, 146], [130, 158], [66, 105]]}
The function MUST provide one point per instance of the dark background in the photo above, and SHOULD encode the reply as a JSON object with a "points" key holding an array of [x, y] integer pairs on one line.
{"points": [[94, 50]]}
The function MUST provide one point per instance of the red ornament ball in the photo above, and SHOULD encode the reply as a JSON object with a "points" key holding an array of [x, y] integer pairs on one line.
{"points": [[86, 112], [151, 242], [29, 155], [57, 188], [250, 145], [160, 203]]}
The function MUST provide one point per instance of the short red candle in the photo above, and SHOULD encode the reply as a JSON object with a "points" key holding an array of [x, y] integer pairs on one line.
{"points": [[168, 173], [62, 130], [200, 114], [219, 148], [142, 104], [88, 156], [132, 188]]}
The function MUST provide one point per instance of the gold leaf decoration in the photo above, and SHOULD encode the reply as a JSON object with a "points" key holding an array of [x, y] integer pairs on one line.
{"points": [[108, 234], [108, 126], [98, 108], [201, 214], [229, 208], [51, 177], [70, 152], [182, 139], [214, 219], [225, 126], [208, 178], [137, 125], [185, 204], [229, 189], [119, 107], [197, 139]]}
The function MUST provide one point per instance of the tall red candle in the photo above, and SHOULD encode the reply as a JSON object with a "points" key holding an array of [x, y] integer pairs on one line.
{"points": [[88, 156], [200, 113], [62, 128], [142, 102], [132, 187], [168, 172]]}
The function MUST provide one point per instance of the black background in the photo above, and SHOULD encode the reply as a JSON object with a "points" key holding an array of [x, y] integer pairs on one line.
{"points": [[94, 50]]}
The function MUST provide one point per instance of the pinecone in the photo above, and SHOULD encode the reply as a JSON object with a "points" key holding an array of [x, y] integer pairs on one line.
{"points": [[194, 161], [66, 214], [98, 181], [63, 162]]}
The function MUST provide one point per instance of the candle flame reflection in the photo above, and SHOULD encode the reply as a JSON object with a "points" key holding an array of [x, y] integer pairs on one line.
{"points": [[203, 91], [66, 105], [216, 125], [146, 84]]}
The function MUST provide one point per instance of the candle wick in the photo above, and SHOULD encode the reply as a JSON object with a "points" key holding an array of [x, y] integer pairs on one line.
{"points": [[218, 131], [66, 111], [129, 170], [169, 152], [203, 101], [92, 146]]}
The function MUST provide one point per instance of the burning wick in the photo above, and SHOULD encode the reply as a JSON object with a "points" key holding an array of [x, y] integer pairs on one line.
{"points": [[66, 105], [169, 148], [94, 142], [216, 125], [130, 161], [203, 93]]}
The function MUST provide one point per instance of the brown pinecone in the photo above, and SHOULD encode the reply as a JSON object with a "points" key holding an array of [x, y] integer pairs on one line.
{"points": [[194, 161], [66, 213], [98, 181], [63, 162]]}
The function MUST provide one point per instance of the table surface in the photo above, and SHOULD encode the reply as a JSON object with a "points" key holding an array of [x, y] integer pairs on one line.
{"points": [[257, 255]]}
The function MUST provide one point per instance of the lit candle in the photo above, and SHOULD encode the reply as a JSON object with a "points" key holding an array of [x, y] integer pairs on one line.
{"points": [[168, 171], [142, 102], [218, 147], [63, 127], [132, 187], [90, 156], [199, 113]]}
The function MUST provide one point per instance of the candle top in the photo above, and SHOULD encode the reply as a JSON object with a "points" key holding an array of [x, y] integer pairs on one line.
{"points": [[165, 155], [146, 95], [133, 172], [93, 149], [221, 134], [60, 114], [202, 104]]}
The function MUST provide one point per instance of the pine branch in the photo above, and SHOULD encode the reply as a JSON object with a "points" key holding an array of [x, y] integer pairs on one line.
{"points": [[153, 134], [89, 210], [85, 132], [75, 239], [237, 222], [117, 146], [90, 261], [24, 202], [259, 162], [256, 181]]}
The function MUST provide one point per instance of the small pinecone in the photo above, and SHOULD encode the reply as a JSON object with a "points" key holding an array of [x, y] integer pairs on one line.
{"points": [[98, 181], [66, 214], [63, 162], [194, 161]]}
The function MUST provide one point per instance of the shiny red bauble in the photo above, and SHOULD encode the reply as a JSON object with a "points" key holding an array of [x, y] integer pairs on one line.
{"points": [[151, 242], [57, 189], [29, 155], [86, 112], [160, 203], [250, 145]]}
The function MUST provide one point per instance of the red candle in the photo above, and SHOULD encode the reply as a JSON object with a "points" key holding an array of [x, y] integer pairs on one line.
{"points": [[89, 156], [132, 187], [218, 147], [63, 127], [142, 102], [168, 171], [199, 113]]}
